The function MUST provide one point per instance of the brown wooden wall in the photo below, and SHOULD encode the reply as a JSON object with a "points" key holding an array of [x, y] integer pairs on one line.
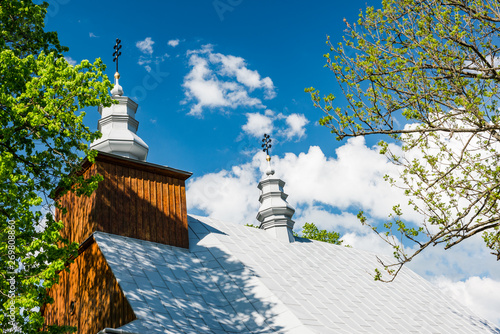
{"points": [[135, 199], [98, 300]]}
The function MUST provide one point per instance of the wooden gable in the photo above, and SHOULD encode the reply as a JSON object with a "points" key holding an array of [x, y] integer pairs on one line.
{"points": [[88, 296], [136, 199]]}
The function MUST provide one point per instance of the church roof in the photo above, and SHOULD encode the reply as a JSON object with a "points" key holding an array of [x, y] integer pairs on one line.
{"points": [[237, 279]]}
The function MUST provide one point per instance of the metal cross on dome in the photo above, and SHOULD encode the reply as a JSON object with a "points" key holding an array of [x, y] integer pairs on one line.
{"points": [[117, 52], [266, 143]]}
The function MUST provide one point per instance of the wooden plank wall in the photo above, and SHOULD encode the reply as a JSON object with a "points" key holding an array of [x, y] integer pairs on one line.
{"points": [[80, 216], [91, 286], [134, 201]]}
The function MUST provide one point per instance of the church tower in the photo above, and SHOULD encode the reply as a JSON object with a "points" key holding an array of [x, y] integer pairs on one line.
{"points": [[275, 213], [118, 124], [135, 199]]}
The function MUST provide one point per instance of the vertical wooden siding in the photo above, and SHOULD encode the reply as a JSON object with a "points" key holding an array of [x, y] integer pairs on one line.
{"points": [[91, 286], [133, 200], [80, 216]]}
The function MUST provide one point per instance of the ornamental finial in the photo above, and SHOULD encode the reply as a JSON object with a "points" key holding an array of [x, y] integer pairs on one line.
{"points": [[117, 54], [117, 90], [266, 145]]}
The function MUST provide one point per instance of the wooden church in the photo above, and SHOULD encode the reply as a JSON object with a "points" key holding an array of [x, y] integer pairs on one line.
{"points": [[146, 266]]}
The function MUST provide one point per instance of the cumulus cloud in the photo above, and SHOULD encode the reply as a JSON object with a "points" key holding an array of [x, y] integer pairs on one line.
{"points": [[70, 60], [289, 127], [257, 125], [146, 59], [328, 191], [229, 194], [346, 223], [480, 294], [219, 81], [92, 35], [469, 258], [353, 180], [145, 46], [296, 126], [474, 66], [173, 42], [236, 67]]}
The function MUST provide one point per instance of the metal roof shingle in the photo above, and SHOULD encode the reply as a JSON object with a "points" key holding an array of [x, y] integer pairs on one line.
{"points": [[236, 279]]}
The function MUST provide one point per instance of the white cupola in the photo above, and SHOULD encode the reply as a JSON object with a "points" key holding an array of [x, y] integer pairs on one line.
{"points": [[118, 124], [275, 213]]}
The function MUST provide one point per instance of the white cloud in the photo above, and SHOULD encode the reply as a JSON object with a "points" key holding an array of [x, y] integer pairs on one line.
{"points": [[203, 86], [328, 191], [296, 126], [236, 67], [70, 60], [145, 46], [353, 180], [326, 220], [470, 257], [228, 195], [257, 125], [92, 35], [481, 65], [368, 241], [481, 295], [352, 231], [269, 112], [449, 149], [220, 81], [144, 60], [173, 42], [147, 58], [160, 59]]}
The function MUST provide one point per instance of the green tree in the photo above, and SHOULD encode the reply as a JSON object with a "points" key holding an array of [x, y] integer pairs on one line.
{"points": [[42, 139], [425, 74], [311, 231]]}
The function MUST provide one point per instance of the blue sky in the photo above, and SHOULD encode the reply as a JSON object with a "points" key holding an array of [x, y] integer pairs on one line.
{"points": [[283, 43], [211, 77]]}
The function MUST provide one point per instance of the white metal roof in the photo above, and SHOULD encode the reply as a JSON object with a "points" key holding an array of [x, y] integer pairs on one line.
{"points": [[237, 279]]}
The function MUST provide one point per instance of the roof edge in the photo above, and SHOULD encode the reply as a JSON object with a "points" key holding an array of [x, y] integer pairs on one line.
{"points": [[137, 164]]}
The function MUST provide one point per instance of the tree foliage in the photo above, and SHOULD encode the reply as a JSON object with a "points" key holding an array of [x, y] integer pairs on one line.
{"points": [[42, 139], [425, 74], [311, 231]]}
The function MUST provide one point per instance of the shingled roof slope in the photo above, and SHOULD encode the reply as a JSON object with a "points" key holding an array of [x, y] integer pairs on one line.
{"points": [[236, 279]]}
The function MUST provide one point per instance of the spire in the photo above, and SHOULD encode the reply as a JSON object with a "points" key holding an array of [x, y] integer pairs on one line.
{"points": [[117, 89], [266, 145], [118, 124], [275, 214]]}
